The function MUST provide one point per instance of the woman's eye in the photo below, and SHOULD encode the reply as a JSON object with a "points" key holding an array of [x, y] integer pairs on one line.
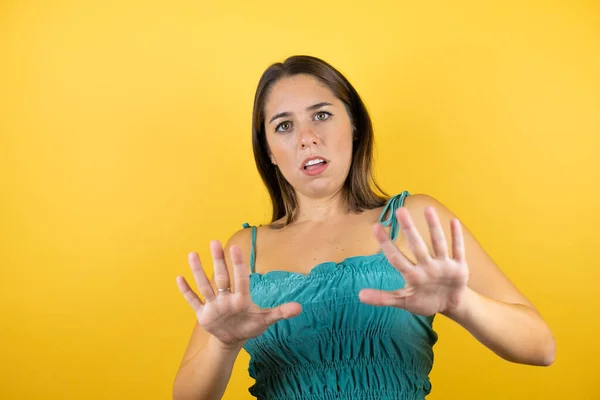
{"points": [[322, 115], [284, 126]]}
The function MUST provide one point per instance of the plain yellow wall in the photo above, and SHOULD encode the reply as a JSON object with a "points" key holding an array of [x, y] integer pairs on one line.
{"points": [[125, 144]]}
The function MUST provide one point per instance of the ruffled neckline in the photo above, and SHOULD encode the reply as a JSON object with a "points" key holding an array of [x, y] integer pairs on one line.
{"points": [[318, 271]]}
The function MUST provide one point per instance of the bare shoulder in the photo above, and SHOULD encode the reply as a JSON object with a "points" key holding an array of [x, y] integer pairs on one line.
{"points": [[242, 239], [416, 205], [420, 200]]}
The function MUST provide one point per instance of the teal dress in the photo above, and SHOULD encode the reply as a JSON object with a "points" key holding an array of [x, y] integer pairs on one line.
{"points": [[339, 347]]}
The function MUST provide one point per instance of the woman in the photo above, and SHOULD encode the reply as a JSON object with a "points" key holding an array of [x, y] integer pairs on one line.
{"points": [[329, 300]]}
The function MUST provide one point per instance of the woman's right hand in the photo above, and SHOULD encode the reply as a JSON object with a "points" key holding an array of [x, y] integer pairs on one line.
{"points": [[231, 317]]}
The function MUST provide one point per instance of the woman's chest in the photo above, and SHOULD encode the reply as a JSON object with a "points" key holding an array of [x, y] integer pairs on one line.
{"points": [[299, 249]]}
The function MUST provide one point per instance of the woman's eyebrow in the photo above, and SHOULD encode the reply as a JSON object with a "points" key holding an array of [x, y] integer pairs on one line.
{"points": [[280, 115], [287, 113], [318, 105]]}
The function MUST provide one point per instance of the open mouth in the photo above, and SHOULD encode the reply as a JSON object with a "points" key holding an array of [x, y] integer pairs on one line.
{"points": [[314, 164]]}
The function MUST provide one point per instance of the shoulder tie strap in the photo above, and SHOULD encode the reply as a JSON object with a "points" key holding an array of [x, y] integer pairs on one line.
{"points": [[252, 246], [390, 210]]}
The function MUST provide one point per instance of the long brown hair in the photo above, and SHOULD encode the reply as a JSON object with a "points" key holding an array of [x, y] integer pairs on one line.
{"points": [[358, 190]]}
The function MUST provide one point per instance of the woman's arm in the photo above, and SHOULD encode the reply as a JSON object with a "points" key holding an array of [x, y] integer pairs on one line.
{"points": [[515, 332], [207, 364], [226, 319], [466, 286], [493, 310], [205, 374]]}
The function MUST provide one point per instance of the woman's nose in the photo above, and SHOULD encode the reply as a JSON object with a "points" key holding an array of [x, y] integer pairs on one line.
{"points": [[308, 137]]}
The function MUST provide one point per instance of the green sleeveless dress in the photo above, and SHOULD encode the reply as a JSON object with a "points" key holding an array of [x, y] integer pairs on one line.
{"points": [[339, 347]]}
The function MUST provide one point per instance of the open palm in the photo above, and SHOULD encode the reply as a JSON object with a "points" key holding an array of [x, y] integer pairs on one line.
{"points": [[231, 317], [435, 284]]}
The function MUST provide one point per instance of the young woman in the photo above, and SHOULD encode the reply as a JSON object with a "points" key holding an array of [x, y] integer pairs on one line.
{"points": [[329, 300]]}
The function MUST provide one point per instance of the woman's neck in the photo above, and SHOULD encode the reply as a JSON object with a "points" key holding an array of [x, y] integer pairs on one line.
{"points": [[319, 209]]}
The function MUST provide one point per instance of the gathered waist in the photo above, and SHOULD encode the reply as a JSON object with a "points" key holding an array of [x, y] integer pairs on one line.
{"points": [[371, 394], [349, 379]]}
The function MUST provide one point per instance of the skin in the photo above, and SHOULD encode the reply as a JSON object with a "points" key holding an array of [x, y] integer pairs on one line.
{"points": [[323, 131], [446, 271]]}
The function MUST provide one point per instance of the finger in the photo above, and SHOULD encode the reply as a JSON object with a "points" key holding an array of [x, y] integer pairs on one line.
{"points": [[240, 271], [392, 253], [204, 286], [376, 297], [284, 311], [458, 243], [218, 256], [414, 239], [438, 240], [189, 295]]}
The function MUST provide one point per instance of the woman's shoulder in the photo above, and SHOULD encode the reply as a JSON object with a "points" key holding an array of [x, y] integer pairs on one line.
{"points": [[241, 235], [241, 238], [419, 201]]}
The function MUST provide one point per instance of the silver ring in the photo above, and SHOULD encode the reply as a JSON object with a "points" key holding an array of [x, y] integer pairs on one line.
{"points": [[223, 290]]}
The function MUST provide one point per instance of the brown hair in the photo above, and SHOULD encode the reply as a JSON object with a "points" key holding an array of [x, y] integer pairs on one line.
{"points": [[358, 190]]}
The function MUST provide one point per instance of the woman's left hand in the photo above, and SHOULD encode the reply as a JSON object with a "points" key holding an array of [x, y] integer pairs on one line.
{"points": [[436, 283]]}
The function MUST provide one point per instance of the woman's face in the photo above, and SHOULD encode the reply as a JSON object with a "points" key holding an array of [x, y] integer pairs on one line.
{"points": [[309, 134]]}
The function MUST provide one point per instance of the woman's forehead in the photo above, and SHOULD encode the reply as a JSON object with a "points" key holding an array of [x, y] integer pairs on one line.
{"points": [[297, 92]]}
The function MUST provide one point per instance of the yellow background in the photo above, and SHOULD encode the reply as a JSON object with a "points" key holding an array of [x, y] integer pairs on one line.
{"points": [[125, 144]]}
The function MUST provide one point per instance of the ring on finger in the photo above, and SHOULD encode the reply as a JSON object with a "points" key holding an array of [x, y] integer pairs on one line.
{"points": [[223, 290]]}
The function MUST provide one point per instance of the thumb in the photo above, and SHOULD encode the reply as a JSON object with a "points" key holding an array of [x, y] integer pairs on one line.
{"points": [[376, 297], [284, 311]]}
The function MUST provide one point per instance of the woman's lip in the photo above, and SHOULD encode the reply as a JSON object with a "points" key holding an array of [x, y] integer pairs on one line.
{"points": [[315, 157], [316, 169]]}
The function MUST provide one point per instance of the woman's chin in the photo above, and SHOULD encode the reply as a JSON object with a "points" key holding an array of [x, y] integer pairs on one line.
{"points": [[321, 188]]}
